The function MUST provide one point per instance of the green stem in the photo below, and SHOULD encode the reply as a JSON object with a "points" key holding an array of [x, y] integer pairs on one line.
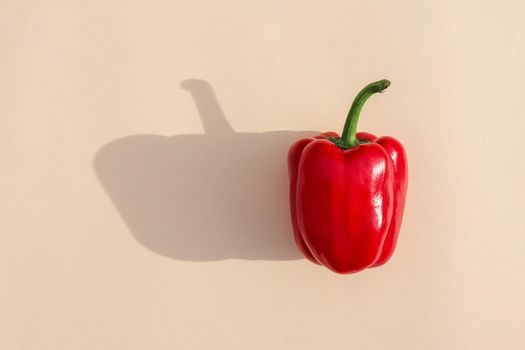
{"points": [[348, 138]]}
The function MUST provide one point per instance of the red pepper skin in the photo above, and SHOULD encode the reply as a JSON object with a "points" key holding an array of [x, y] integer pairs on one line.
{"points": [[347, 203], [294, 156], [398, 155]]}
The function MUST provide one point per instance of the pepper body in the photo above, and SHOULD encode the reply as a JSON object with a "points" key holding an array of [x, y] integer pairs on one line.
{"points": [[347, 198]]}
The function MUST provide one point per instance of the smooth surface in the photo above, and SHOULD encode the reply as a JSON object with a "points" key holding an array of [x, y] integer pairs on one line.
{"points": [[398, 155], [133, 218], [346, 204], [344, 220]]}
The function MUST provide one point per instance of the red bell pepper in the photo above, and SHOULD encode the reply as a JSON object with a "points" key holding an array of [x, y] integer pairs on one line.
{"points": [[347, 194]]}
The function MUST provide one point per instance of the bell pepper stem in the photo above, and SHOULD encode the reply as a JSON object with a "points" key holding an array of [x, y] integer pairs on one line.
{"points": [[348, 138]]}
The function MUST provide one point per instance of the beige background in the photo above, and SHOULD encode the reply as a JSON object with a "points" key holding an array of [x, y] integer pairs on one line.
{"points": [[144, 185]]}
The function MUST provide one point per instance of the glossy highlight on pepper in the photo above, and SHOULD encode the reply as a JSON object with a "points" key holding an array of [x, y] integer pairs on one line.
{"points": [[347, 193]]}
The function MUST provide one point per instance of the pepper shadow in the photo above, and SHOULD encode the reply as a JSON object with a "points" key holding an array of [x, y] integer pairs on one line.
{"points": [[206, 197]]}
